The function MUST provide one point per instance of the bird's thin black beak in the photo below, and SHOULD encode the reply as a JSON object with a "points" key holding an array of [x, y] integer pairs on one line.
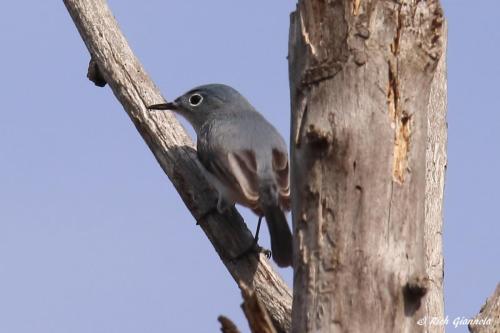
{"points": [[172, 106]]}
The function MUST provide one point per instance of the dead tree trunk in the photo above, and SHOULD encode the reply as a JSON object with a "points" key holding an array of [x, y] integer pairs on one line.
{"points": [[360, 76]]}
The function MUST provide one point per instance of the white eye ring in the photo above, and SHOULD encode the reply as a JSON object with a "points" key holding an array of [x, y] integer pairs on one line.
{"points": [[195, 99]]}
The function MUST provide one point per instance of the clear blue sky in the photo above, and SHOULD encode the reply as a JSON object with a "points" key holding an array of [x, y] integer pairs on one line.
{"points": [[93, 237]]}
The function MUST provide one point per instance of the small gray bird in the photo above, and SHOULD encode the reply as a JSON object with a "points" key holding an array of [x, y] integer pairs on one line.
{"points": [[244, 156]]}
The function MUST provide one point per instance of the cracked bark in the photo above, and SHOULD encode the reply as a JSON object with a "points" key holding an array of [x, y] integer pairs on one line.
{"points": [[368, 88], [257, 316], [114, 63]]}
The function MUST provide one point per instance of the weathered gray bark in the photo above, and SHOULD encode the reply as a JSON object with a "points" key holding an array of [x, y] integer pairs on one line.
{"points": [[360, 75], [488, 319], [175, 153]]}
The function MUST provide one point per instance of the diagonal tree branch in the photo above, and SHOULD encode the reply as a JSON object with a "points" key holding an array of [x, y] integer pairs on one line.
{"points": [[175, 153]]}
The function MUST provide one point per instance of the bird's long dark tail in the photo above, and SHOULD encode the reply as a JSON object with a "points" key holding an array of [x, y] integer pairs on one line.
{"points": [[281, 236]]}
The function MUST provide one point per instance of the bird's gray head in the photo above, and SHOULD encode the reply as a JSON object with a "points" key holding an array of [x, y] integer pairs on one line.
{"points": [[202, 103]]}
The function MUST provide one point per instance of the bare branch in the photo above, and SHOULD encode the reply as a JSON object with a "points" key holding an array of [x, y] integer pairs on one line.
{"points": [[227, 326], [488, 319], [175, 153]]}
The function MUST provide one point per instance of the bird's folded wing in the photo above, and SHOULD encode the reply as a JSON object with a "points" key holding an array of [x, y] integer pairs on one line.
{"points": [[281, 174], [280, 169], [243, 166], [236, 170]]}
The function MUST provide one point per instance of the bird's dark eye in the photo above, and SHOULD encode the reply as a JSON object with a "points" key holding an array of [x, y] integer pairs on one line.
{"points": [[195, 99]]}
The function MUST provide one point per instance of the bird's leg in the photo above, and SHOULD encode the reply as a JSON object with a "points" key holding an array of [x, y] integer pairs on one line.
{"points": [[259, 248], [254, 247], [203, 216], [221, 207], [256, 237]]}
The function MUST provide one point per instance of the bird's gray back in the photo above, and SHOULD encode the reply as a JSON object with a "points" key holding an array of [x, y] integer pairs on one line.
{"points": [[244, 132]]}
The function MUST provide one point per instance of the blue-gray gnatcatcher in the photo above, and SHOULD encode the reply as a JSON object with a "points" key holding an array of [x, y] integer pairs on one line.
{"points": [[244, 156]]}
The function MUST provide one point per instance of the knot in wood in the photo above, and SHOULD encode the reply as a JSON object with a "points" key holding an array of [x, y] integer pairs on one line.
{"points": [[318, 138]]}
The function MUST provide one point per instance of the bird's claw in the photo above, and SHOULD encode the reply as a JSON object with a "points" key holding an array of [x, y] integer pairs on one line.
{"points": [[254, 248], [266, 252]]}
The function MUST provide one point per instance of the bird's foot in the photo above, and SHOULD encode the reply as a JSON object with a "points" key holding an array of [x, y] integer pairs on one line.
{"points": [[265, 251], [205, 215], [222, 207], [255, 248]]}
